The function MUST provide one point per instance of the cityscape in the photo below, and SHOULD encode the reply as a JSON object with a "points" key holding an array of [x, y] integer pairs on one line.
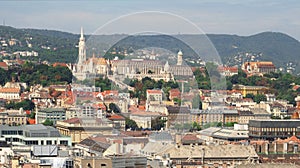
{"points": [[88, 99]]}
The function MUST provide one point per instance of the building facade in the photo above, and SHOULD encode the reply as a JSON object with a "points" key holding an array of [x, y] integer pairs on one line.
{"points": [[273, 129], [33, 135]]}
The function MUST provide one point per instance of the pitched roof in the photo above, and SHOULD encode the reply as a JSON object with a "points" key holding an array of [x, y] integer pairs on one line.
{"points": [[116, 117], [59, 64], [3, 65], [9, 90], [154, 91], [73, 120]]}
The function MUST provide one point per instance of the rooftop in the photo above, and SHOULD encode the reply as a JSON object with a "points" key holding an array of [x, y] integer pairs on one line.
{"points": [[211, 151]]}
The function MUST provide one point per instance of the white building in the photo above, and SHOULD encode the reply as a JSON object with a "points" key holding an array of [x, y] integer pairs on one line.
{"points": [[33, 135], [154, 97]]}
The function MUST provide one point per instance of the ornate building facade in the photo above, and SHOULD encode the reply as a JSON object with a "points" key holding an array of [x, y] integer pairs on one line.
{"points": [[87, 67], [155, 69]]}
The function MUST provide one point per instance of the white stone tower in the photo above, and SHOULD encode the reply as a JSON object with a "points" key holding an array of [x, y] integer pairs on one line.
{"points": [[179, 58], [82, 49]]}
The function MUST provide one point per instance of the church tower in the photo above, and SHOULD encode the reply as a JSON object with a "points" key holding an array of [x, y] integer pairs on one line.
{"points": [[179, 58], [82, 49]]}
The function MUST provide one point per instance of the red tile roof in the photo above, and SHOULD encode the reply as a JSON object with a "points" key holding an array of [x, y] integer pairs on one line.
{"points": [[3, 65], [116, 117], [73, 120], [9, 90], [230, 69], [59, 64], [190, 137], [154, 92], [31, 121], [27, 111]]}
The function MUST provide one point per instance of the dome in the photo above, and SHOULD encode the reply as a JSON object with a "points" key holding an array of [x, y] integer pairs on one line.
{"points": [[179, 52]]}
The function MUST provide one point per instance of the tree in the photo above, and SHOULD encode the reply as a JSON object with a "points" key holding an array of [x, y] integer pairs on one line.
{"points": [[250, 95], [196, 126], [130, 124], [260, 97], [32, 115], [114, 108], [196, 102], [3, 76], [177, 100], [25, 104], [157, 123], [48, 122], [230, 124]]}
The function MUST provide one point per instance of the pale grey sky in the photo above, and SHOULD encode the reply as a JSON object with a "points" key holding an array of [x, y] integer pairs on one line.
{"points": [[245, 17]]}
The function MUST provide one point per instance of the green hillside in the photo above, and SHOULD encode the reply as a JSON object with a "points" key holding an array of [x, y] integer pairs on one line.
{"points": [[57, 46]]}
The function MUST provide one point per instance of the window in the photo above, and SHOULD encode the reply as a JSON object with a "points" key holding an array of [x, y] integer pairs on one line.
{"points": [[64, 142], [48, 142]]}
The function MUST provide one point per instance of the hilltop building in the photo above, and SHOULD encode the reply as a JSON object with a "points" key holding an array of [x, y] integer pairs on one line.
{"points": [[258, 68], [155, 69], [87, 67]]}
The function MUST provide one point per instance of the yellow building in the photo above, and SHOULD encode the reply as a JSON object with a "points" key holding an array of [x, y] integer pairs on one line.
{"points": [[251, 89]]}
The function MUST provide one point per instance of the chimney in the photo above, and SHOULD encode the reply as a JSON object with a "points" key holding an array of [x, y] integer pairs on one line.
{"points": [[178, 138]]}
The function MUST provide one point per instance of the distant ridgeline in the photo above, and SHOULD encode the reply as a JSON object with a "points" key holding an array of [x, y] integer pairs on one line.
{"points": [[56, 46]]}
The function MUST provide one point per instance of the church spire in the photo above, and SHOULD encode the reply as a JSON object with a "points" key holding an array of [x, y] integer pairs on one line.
{"points": [[81, 34], [82, 48]]}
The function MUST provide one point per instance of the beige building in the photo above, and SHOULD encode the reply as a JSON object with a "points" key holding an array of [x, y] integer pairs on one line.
{"points": [[258, 67], [13, 117], [99, 162], [252, 114], [82, 128], [144, 119], [10, 93], [154, 101]]}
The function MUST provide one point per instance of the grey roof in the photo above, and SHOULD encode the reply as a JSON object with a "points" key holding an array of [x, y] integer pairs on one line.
{"points": [[34, 127], [155, 147], [209, 131], [230, 134], [38, 130], [50, 110], [160, 136]]}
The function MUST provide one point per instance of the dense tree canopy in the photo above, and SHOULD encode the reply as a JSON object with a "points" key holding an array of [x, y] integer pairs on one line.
{"points": [[31, 74], [25, 104], [148, 83]]}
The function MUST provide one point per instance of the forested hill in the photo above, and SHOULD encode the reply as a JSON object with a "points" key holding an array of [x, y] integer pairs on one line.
{"points": [[57, 46], [277, 47], [53, 46]]}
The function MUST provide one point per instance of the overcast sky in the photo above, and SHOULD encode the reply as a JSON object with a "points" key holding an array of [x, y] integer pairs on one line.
{"points": [[241, 17]]}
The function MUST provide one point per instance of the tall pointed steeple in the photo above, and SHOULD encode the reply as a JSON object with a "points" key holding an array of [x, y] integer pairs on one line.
{"points": [[82, 49], [81, 35]]}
